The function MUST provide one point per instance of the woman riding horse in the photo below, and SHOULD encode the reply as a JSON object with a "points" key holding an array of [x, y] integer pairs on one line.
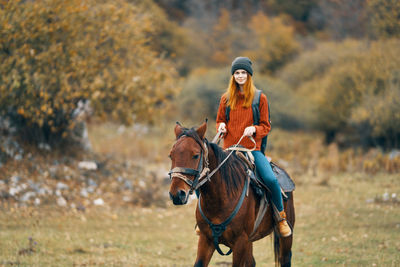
{"points": [[239, 97], [227, 208]]}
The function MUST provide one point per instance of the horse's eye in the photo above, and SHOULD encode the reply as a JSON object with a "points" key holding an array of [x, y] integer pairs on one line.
{"points": [[195, 156]]}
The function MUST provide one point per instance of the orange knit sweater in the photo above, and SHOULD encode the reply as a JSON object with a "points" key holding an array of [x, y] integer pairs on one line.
{"points": [[240, 118]]}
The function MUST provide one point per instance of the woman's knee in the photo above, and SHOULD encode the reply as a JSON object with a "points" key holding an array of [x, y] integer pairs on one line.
{"points": [[265, 171], [270, 180]]}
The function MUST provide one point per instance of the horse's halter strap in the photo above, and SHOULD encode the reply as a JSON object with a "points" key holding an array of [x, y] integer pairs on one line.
{"points": [[180, 172]]}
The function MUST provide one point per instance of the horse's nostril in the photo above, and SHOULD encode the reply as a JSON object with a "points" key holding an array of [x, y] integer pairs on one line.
{"points": [[182, 194], [179, 198]]}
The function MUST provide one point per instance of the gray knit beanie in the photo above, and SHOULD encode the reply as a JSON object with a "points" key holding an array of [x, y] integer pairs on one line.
{"points": [[242, 63]]}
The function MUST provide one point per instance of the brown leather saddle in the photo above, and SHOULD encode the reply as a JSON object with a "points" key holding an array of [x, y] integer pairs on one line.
{"points": [[286, 183]]}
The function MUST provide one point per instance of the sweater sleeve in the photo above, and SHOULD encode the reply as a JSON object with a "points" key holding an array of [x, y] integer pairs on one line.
{"points": [[264, 126], [221, 116]]}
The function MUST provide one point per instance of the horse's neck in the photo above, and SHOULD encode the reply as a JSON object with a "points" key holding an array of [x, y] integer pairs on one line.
{"points": [[214, 193]]}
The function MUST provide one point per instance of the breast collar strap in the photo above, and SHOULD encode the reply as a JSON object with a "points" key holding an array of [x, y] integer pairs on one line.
{"points": [[218, 229]]}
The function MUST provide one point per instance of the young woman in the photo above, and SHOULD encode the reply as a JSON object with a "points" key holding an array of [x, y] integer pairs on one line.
{"points": [[239, 97]]}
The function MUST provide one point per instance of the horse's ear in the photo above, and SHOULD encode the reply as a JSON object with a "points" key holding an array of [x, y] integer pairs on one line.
{"points": [[178, 129], [201, 131]]}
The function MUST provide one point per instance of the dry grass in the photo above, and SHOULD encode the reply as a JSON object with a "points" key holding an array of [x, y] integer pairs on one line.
{"points": [[336, 226], [298, 152], [138, 142], [305, 153], [342, 218]]}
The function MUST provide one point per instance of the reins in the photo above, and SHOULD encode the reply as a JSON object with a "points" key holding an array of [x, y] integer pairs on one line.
{"points": [[218, 229], [233, 148]]}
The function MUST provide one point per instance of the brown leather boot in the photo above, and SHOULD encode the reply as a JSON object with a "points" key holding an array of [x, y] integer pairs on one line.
{"points": [[284, 228]]}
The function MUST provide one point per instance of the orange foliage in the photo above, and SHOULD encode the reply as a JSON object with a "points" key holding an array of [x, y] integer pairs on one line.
{"points": [[275, 42], [221, 39], [55, 53]]}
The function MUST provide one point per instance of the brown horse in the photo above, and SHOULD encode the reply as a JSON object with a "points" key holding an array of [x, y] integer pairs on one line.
{"points": [[220, 196]]}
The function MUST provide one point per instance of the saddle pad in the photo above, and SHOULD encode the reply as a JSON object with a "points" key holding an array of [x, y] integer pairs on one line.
{"points": [[283, 177]]}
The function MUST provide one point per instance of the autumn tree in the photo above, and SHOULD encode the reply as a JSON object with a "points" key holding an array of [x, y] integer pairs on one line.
{"points": [[164, 36], [349, 90], [300, 11], [378, 111], [340, 19], [54, 54], [274, 43], [384, 18], [221, 39]]}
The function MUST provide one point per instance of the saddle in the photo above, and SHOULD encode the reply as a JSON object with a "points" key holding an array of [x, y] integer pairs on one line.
{"points": [[261, 191], [286, 183]]}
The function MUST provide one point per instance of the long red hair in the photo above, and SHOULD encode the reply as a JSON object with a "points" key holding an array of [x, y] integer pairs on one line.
{"points": [[233, 92]]}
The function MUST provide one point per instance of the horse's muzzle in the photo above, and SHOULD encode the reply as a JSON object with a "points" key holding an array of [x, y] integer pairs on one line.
{"points": [[180, 198]]}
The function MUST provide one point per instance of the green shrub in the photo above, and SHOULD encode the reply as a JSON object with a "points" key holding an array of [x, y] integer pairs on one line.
{"points": [[284, 106], [201, 93], [313, 64], [349, 88]]}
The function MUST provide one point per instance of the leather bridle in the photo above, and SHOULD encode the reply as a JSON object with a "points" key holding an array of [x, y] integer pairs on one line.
{"points": [[203, 174], [199, 173]]}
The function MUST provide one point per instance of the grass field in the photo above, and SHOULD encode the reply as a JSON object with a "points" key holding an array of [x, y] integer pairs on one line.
{"points": [[341, 221]]}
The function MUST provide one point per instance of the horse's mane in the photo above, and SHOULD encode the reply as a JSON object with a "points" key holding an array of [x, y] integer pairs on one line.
{"points": [[232, 171]]}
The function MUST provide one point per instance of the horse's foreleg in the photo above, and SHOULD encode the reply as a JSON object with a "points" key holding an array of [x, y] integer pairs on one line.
{"points": [[243, 253], [205, 250]]}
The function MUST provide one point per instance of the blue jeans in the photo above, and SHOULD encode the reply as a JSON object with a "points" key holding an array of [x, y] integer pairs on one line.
{"points": [[264, 170]]}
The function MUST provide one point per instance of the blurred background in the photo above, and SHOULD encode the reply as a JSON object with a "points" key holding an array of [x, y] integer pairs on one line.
{"points": [[328, 66], [90, 92]]}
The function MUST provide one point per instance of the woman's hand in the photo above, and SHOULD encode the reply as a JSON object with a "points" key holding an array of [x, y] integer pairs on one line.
{"points": [[222, 127], [249, 131]]}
